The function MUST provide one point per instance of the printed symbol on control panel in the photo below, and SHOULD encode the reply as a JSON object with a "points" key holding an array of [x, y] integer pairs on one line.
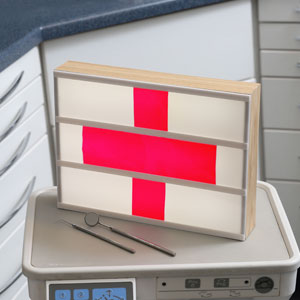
{"points": [[234, 293], [109, 294], [205, 294]]}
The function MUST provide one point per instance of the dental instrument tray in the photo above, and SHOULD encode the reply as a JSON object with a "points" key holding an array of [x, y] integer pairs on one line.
{"points": [[65, 264]]}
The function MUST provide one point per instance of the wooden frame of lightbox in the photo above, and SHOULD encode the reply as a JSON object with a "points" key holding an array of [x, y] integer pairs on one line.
{"points": [[77, 78]]}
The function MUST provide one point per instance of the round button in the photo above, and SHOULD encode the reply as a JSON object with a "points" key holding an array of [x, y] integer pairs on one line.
{"points": [[264, 285]]}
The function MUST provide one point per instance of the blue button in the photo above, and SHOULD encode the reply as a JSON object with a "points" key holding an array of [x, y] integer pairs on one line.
{"points": [[81, 294], [62, 295]]}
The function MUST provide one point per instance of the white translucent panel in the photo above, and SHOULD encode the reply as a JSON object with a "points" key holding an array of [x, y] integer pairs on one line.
{"points": [[95, 101], [70, 142], [95, 190], [230, 167], [203, 208], [183, 205], [206, 116], [187, 114]]}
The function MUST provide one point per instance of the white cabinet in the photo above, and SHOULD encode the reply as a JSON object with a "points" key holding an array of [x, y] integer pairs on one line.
{"points": [[279, 36], [21, 106], [18, 75], [22, 138], [214, 41], [281, 103], [279, 11], [289, 192], [17, 291], [280, 63], [25, 163], [282, 154], [279, 31]]}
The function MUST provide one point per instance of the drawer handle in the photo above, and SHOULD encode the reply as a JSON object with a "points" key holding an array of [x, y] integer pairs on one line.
{"points": [[14, 123], [298, 64], [18, 153], [11, 88], [11, 281], [23, 199]]}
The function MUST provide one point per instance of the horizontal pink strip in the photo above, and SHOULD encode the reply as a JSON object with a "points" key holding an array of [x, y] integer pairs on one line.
{"points": [[149, 154]]}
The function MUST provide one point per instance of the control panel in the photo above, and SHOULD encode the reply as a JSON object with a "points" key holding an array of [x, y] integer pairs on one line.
{"points": [[218, 287], [181, 288], [113, 289]]}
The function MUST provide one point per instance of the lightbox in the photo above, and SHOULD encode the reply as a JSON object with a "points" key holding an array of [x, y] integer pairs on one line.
{"points": [[170, 150]]}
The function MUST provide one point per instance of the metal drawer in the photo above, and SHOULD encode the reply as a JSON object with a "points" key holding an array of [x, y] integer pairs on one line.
{"points": [[279, 11], [17, 291], [280, 63], [21, 139], [9, 227], [16, 111], [31, 172], [19, 74], [279, 36], [282, 154], [13, 286], [11, 242], [281, 103], [289, 194], [11, 257], [22, 293]]}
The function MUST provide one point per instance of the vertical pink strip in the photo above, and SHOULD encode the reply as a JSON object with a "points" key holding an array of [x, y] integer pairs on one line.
{"points": [[148, 198], [150, 111]]}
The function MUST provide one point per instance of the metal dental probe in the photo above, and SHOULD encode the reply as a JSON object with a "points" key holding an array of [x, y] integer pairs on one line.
{"points": [[115, 243], [92, 219]]}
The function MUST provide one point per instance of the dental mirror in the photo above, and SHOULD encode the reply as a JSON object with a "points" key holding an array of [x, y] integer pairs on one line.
{"points": [[92, 219]]}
